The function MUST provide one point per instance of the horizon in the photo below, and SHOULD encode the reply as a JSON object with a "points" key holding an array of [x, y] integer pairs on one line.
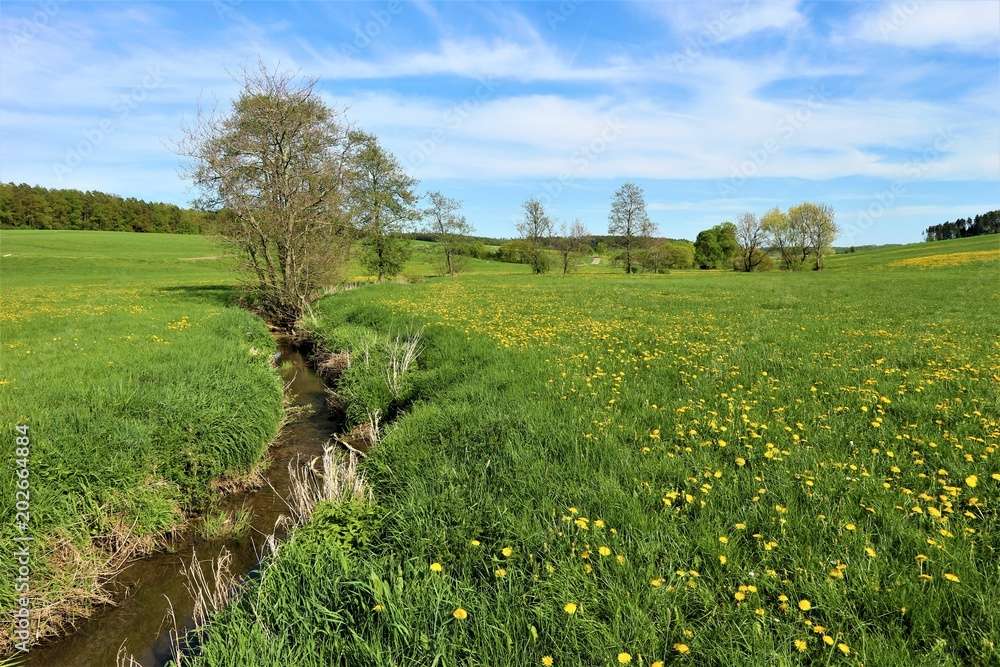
{"points": [[881, 110]]}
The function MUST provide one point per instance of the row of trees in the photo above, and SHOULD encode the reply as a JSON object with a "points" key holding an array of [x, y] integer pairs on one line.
{"points": [[801, 236], [35, 207], [985, 223]]}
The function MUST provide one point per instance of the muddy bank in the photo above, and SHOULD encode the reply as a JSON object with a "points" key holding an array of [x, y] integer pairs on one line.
{"points": [[139, 620]]}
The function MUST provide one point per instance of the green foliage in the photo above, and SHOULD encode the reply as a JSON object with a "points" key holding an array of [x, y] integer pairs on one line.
{"points": [[34, 207], [986, 223], [662, 257], [384, 255], [715, 247]]}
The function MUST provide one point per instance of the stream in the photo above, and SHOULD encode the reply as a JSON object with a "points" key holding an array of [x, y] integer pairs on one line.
{"points": [[139, 617]]}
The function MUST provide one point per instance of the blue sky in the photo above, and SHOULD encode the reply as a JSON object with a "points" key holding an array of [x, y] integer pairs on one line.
{"points": [[886, 111]]}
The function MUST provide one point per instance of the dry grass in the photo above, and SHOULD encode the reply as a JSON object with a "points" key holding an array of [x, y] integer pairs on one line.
{"points": [[332, 476]]}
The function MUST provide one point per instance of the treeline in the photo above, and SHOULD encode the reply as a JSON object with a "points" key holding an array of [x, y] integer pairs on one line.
{"points": [[34, 207], [986, 223]]}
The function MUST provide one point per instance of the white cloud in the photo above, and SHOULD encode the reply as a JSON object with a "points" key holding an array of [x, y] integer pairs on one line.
{"points": [[723, 20], [959, 24]]}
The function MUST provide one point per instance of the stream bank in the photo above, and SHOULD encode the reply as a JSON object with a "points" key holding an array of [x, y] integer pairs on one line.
{"points": [[145, 589]]}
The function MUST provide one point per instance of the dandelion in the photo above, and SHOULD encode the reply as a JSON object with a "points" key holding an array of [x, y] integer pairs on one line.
{"points": [[460, 614], [952, 577], [473, 543], [871, 553], [722, 559], [801, 645], [547, 660], [507, 552], [570, 608], [850, 526], [436, 567], [604, 551], [681, 648], [805, 604], [828, 640], [624, 658], [500, 573], [971, 481], [656, 583], [844, 648]]}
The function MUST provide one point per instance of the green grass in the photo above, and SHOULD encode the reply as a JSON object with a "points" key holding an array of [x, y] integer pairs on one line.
{"points": [[140, 384], [832, 435]]}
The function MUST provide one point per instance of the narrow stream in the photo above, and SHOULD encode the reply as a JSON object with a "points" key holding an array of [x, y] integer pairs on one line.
{"points": [[139, 617]]}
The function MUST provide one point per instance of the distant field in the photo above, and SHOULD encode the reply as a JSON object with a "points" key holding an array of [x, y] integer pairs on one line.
{"points": [[139, 384], [707, 468]]}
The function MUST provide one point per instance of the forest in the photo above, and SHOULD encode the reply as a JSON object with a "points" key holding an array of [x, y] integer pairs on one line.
{"points": [[986, 223]]}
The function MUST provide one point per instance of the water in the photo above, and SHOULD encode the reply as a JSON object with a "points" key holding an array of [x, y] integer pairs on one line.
{"points": [[139, 619]]}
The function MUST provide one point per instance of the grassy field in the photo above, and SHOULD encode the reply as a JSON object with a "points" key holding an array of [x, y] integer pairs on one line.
{"points": [[139, 385], [700, 468]]}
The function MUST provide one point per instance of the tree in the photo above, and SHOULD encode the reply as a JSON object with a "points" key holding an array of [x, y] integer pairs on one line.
{"points": [[536, 228], [662, 257], [815, 222], [752, 238], [571, 242], [382, 207], [448, 226], [277, 162], [787, 236], [714, 248], [629, 220]]}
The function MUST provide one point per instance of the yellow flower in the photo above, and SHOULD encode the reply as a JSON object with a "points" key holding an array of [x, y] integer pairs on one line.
{"points": [[850, 526], [681, 648], [723, 539], [740, 596], [473, 543], [844, 648], [971, 481], [436, 567], [624, 658], [658, 663], [951, 577], [722, 559], [378, 607], [828, 640], [507, 552], [500, 572], [604, 551], [800, 645], [656, 583], [805, 605], [871, 552], [460, 614], [547, 660], [740, 461], [570, 608]]}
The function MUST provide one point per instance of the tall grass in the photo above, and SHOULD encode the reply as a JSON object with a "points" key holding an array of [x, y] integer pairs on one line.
{"points": [[140, 382]]}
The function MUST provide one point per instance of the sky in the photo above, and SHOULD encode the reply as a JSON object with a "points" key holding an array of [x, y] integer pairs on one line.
{"points": [[886, 111]]}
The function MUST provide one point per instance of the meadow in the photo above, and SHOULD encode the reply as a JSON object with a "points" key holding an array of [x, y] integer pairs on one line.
{"points": [[140, 383], [696, 468]]}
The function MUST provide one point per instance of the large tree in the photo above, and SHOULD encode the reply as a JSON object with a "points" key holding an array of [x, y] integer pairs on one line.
{"points": [[752, 237], [629, 220], [277, 163], [536, 229], [448, 225], [787, 236], [382, 207], [817, 228]]}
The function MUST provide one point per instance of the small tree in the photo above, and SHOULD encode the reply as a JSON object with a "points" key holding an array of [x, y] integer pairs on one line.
{"points": [[571, 242], [752, 238], [277, 164], [383, 207], [448, 226], [629, 220], [536, 228], [817, 228]]}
